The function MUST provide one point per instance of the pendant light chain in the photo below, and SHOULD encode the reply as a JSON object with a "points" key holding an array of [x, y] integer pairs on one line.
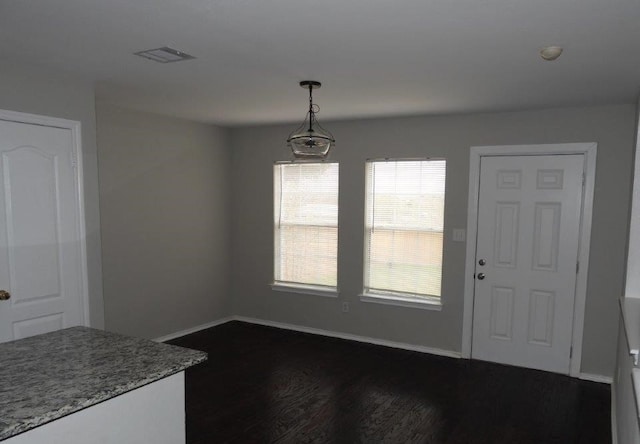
{"points": [[311, 113]]}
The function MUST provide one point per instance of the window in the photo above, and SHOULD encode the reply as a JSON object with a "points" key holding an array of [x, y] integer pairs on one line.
{"points": [[404, 229], [306, 224]]}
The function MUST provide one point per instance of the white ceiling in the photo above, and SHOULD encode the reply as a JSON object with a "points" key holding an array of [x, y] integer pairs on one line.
{"points": [[374, 57]]}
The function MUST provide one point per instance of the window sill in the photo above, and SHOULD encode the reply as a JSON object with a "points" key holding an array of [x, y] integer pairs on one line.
{"points": [[427, 304], [315, 290]]}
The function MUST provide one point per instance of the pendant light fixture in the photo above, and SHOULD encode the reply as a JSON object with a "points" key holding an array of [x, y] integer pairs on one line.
{"points": [[310, 140]]}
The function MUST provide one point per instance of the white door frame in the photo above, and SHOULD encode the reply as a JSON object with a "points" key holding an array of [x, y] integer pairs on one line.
{"points": [[589, 150], [75, 128]]}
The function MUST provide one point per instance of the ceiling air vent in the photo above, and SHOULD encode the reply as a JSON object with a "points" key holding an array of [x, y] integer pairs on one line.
{"points": [[164, 55]]}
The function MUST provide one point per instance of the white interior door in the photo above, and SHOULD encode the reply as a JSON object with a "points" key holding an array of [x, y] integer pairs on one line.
{"points": [[40, 245], [528, 236]]}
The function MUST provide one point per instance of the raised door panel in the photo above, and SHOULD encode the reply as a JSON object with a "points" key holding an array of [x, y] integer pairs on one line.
{"points": [[546, 236], [505, 251], [502, 313], [541, 317], [32, 210]]}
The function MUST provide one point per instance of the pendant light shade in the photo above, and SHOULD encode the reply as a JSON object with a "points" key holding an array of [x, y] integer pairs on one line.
{"points": [[310, 140]]}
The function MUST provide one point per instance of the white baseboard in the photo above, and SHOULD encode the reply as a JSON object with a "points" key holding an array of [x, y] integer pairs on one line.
{"points": [[596, 378], [314, 331], [188, 331], [350, 337]]}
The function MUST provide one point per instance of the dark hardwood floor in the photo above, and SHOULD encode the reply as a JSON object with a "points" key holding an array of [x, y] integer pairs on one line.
{"points": [[264, 385]]}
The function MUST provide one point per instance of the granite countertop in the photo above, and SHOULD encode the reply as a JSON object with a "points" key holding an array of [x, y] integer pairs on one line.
{"points": [[45, 377]]}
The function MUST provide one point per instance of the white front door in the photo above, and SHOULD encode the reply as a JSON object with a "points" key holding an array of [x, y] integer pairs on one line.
{"points": [[528, 237], [41, 260]]}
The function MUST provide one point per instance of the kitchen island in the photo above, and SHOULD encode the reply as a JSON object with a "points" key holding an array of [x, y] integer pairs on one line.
{"points": [[85, 385]]}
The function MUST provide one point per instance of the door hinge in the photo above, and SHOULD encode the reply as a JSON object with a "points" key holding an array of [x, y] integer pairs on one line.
{"points": [[577, 267], [584, 179], [74, 160], [571, 352]]}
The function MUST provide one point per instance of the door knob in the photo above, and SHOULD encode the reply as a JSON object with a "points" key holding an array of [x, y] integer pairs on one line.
{"points": [[4, 295], [482, 262], [480, 276]]}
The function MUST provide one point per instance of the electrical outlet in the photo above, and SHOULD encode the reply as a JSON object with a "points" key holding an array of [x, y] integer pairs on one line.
{"points": [[345, 307]]}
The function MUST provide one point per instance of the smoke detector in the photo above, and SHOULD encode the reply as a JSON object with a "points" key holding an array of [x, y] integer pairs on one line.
{"points": [[551, 53]]}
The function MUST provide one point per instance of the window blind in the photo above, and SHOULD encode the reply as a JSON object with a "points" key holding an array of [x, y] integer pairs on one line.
{"points": [[306, 223], [404, 227]]}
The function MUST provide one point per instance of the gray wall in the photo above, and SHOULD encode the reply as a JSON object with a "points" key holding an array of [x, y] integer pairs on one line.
{"points": [[30, 90], [255, 149], [171, 194], [164, 201]]}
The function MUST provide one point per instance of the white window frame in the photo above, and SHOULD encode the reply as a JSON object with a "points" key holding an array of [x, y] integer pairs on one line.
{"points": [[426, 302], [300, 287]]}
